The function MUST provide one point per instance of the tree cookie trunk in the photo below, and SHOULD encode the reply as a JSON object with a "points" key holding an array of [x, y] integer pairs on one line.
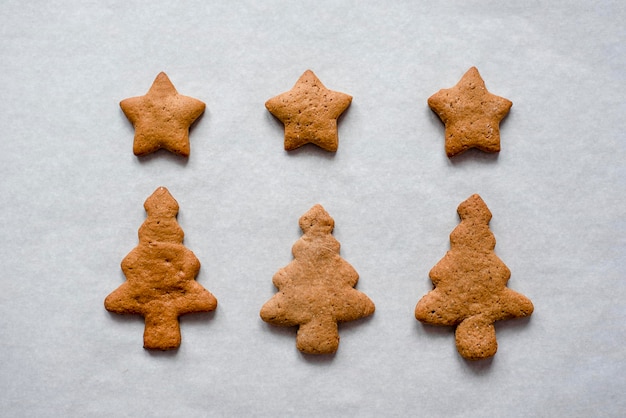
{"points": [[162, 331], [476, 338], [318, 336]]}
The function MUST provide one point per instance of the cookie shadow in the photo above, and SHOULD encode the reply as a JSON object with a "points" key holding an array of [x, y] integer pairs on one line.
{"points": [[126, 318], [277, 125], [198, 120], [474, 154], [195, 125], [318, 358], [312, 149], [279, 130], [284, 332], [197, 318], [434, 120], [509, 326], [163, 154], [434, 330], [347, 328], [477, 367], [155, 352], [437, 126]]}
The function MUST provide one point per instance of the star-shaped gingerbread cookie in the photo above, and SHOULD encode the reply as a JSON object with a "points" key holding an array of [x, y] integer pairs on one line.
{"points": [[309, 111], [162, 118], [471, 114]]}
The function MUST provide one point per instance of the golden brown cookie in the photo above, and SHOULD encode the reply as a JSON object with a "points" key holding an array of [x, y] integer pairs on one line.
{"points": [[470, 286], [316, 290], [309, 111], [160, 276], [162, 118], [471, 114]]}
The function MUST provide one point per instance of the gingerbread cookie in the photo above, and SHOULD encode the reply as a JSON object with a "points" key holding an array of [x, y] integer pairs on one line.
{"points": [[470, 286], [471, 114], [316, 290], [162, 118], [309, 111], [160, 276]]}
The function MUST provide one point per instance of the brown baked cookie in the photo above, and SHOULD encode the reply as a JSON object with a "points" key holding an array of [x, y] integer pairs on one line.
{"points": [[470, 286], [471, 114], [162, 118], [309, 111], [160, 276], [316, 290]]}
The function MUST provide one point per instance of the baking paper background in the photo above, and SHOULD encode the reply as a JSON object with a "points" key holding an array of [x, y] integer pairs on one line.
{"points": [[72, 196]]}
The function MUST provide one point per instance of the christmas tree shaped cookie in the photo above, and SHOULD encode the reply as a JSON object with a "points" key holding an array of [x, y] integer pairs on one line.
{"points": [[470, 286], [160, 275], [316, 290]]}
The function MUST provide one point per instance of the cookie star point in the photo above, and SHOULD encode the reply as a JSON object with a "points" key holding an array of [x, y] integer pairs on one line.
{"points": [[309, 112], [162, 118], [471, 114]]}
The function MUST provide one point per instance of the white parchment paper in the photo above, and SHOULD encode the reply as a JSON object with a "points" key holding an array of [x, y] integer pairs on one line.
{"points": [[72, 194]]}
